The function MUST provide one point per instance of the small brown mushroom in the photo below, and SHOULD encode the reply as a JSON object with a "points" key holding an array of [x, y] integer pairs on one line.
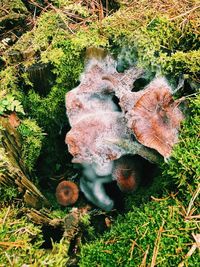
{"points": [[127, 173], [67, 193]]}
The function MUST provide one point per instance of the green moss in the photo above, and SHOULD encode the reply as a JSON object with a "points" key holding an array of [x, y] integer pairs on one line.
{"points": [[9, 79], [15, 9], [8, 193], [133, 234], [155, 41], [32, 137], [183, 167], [16, 5], [21, 242]]}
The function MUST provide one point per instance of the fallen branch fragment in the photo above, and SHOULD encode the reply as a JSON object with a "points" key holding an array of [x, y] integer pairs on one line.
{"points": [[195, 195], [133, 147], [12, 169], [192, 249]]}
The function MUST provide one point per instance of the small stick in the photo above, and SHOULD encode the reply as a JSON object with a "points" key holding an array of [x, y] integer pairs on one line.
{"points": [[143, 263], [4, 219], [195, 195], [187, 12], [156, 246], [133, 147]]}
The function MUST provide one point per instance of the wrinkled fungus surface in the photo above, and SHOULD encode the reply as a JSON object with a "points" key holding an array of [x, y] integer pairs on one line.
{"points": [[155, 118]]}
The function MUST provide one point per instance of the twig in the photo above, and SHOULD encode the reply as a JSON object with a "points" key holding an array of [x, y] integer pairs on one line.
{"points": [[8, 257], [156, 246], [143, 263], [132, 248], [5, 217], [187, 12], [5, 10], [17, 244], [192, 217], [195, 195], [159, 199], [192, 249], [32, 2]]}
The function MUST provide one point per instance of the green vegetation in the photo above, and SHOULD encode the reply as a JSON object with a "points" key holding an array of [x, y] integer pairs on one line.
{"points": [[43, 60], [32, 138], [21, 242], [9, 104], [137, 235]]}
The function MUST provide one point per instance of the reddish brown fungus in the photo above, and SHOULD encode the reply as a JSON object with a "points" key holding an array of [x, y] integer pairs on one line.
{"points": [[156, 120], [87, 139], [127, 174], [67, 193]]}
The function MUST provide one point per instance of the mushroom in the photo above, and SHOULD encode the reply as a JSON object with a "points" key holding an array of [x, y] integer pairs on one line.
{"points": [[102, 134], [127, 173], [67, 193], [87, 138], [155, 117], [93, 188]]}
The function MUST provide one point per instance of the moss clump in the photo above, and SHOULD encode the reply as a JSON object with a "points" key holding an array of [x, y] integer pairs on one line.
{"points": [[154, 37], [137, 233], [8, 193], [21, 242], [32, 137], [9, 79], [183, 167]]}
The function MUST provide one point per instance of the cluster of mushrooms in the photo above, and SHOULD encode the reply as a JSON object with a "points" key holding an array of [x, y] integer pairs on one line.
{"points": [[106, 135]]}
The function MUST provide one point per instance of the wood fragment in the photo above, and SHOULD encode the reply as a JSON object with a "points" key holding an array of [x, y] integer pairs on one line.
{"points": [[195, 195], [12, 170], [133, 147], [14, 120], [192, 249]]}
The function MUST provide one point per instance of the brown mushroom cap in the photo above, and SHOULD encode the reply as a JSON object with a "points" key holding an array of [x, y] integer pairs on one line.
{"points": [[156, 119], [67, 193], [127, 174]]}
